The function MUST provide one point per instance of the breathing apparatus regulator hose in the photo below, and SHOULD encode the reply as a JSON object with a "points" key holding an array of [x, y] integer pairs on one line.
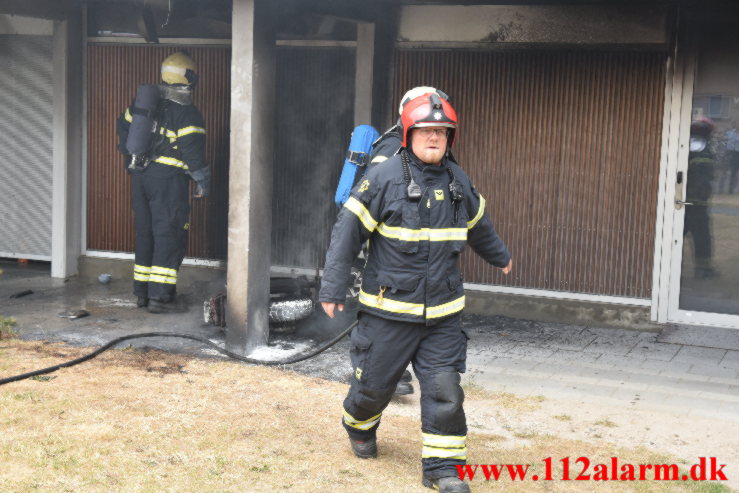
{"points": [[202, 340]]}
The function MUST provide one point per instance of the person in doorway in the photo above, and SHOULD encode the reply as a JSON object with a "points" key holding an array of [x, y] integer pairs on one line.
{"points": [[161, 184], [418, 210], [701, 168]]}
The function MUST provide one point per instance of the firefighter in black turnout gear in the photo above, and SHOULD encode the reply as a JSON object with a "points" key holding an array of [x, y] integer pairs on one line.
{"points": [[418, 210], [161, 176], [385, 147]]}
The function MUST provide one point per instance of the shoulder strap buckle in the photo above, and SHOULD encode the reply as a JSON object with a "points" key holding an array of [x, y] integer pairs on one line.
{"points": [[358, 158]]}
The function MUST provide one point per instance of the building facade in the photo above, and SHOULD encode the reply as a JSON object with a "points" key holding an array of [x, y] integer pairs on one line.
{"points": [[575, 125]]}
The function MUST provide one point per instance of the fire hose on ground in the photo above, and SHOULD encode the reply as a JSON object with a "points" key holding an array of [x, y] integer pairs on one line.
{"points": [[202, 340]]}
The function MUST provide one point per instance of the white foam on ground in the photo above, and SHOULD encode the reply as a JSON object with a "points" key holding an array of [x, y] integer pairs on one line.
{"points": [[279, 351], [114, 302], [276, 352]]}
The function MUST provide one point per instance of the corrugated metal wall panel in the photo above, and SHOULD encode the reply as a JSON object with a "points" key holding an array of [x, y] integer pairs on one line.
{"points": [[565, 147], [315, 115], [114, 73], [26, 135]]}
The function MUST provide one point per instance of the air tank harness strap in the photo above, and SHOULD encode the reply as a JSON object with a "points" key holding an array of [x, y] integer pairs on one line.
{"points": [[148, 113], [457, 193]]}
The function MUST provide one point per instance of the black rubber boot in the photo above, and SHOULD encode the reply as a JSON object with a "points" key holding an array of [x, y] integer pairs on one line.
{"points": [[449, 484], [142, 301], [156, 306], [366, 449], [403, 388]]}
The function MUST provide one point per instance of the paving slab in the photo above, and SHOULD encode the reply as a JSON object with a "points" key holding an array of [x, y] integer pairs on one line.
{"points": [[730, 360], [701, 355], [614, 344], [620, 360], [713, 371], [574, 356], [697, 335], [662, 366], [575, 340], [655, 350], [529, 352]]}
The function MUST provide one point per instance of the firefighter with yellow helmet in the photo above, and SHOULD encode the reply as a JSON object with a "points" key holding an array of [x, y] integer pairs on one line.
{"points": [[418, 209], [163, 136]]}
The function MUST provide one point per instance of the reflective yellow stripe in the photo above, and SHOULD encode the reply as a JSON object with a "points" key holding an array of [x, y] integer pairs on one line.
{"points": [[445, 309], [444, 446], [162, 279], [403, 234], [390, 305], [127, 116], [362, 213], [423, 234], [170, 161], [433, 452], [449, 234], [141, 272], [155, 269], [163, 275], [172, 136], [190, 130], [378, 159], [361, 425], [478, 216], [444, 441], [394, 306]]}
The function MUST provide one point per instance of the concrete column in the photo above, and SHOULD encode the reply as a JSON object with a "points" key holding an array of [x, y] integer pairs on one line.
{"points": [[67, 214], [363, 81], [250, 175], [384, 112]]}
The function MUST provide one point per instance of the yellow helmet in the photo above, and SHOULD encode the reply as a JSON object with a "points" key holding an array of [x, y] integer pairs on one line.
{"points": [[179, 68]]}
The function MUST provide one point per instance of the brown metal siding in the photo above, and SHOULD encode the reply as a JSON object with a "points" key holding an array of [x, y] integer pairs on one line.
{"points": [[114, 73], [314, 115], [565, 148]]}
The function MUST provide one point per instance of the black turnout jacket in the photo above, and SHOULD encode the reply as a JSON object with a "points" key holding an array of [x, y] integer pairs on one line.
{"points": [[412, 271], [180, 144]]}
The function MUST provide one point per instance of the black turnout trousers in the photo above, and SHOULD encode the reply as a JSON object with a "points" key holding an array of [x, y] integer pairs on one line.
{"points": [[380, 351], [161, 214]]}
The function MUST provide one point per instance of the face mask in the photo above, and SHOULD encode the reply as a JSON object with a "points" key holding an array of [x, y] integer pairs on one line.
{"points": [[181, 95], [697, 144]]}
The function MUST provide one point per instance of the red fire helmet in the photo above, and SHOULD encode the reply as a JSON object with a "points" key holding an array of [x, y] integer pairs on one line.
{"points": [[428, 110]]}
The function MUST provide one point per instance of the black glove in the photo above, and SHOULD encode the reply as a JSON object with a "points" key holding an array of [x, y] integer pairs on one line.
{"points": [[202, 182]]}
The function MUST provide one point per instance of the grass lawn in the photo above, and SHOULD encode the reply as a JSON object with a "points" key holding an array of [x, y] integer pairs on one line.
{"points": [[148, 421]]}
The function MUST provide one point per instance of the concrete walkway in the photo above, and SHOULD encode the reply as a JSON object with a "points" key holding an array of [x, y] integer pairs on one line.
{"points": [[649, 370], [691, 371]]}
